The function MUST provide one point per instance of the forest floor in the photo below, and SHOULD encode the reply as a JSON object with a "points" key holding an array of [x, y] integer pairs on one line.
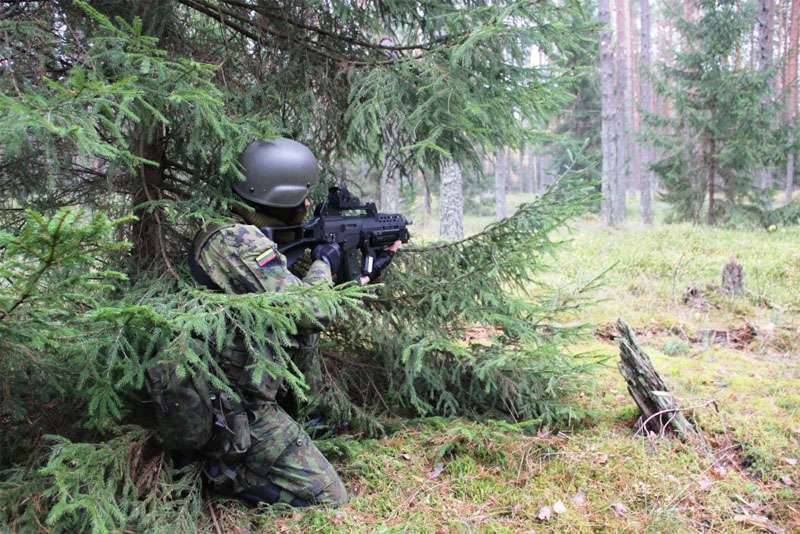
{"points": [[736, 360]]}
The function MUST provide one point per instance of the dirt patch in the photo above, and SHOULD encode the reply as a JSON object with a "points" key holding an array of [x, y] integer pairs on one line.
{"points": [[608, 332], [481, 334], [738, 338]]}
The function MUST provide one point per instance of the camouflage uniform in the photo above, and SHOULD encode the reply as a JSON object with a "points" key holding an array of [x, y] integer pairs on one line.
{"points": [[277, 462]]}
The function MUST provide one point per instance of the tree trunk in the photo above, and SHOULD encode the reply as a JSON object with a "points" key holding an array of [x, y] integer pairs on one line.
{"points": [[451, 203], [147, 231], [784, 15], [501, 175], [791, 92], [766, 16], [533, 173], [661, 53], [646, 103], [733, 278], [390, 189], [622, 103], [634, 67], [712, 178], [608, 117], [389, 179], [526, 168], [428, 196], [147, 142]]}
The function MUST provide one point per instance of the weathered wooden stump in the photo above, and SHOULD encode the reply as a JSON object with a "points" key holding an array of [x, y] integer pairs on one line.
{"points": [[733, 278], [660, 411]]}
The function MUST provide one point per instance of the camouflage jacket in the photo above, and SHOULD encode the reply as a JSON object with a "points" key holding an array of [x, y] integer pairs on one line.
{"points": [[239, 258]]}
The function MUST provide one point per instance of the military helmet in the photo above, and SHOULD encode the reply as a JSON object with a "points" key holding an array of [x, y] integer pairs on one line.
{"points": [[278, 173]]}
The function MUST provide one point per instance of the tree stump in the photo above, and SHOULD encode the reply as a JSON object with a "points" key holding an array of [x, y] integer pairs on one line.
{"points": [[733, 278], [660, 411]]}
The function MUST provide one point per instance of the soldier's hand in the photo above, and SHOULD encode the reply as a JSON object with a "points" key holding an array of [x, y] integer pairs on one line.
{"points": [[330, 253], [381, 262]]}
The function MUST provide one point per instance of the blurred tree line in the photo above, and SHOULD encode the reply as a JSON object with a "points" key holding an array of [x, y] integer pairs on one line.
{"points": [[702, 112]]}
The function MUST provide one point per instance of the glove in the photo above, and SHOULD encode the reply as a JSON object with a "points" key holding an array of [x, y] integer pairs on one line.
{"points": [[380, 263], [330, 253]]}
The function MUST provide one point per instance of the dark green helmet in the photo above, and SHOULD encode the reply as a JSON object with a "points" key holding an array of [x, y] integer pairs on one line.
{"points": [[278, 173]]}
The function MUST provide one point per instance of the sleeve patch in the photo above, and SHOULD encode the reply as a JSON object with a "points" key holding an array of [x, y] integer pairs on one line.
{"points": [[267, 256]]}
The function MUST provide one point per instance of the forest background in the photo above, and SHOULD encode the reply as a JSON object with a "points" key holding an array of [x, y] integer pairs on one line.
{"points": [[565, 162]]}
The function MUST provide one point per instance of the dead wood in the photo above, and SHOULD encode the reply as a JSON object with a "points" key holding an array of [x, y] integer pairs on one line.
{"points": [[660, 411], [733, 278]]}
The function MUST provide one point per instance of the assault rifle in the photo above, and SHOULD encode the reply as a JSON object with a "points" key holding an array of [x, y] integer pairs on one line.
{"points": [[357, 227]]}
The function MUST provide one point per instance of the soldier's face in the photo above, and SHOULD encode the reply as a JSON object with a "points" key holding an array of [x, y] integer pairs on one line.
{"points": [[291, 216]]}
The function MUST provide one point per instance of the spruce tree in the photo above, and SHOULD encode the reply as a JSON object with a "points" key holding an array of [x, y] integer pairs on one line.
{"points": [[722, 134]]}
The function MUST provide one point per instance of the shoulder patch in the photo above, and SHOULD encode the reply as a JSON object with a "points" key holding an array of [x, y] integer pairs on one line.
{"points": [[267, 256]]}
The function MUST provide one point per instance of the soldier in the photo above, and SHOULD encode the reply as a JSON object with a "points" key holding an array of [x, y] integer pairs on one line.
{"points": [[263, 455]]}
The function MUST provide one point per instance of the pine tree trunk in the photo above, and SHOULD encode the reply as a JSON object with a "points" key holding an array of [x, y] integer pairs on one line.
{"points": [[501, 175], [608, 117], [646, 100], [790, 80], [622, 103], [451, 205]]}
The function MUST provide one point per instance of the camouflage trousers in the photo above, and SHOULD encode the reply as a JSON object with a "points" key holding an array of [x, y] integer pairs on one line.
{"points": [[282, 463]]}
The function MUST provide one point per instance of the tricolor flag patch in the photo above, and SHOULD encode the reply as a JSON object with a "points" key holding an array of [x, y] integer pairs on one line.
{"points": [[266, 257]]}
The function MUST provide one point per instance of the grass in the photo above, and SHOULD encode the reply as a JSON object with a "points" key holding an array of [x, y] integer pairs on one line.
{"points": [[454, 475]]}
